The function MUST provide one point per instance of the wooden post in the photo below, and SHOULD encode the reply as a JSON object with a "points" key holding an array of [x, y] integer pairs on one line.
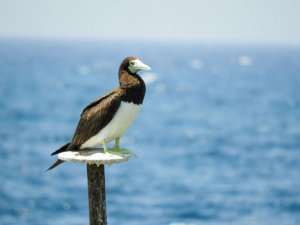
{"points": [[96, 193], [95, 160]]}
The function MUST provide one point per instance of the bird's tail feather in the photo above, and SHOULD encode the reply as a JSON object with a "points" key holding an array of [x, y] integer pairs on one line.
{"points": [[62, 149], [58, 162]]}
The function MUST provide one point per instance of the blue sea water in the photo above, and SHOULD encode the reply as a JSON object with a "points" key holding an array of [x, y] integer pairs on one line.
{"points": [[218, 138]]}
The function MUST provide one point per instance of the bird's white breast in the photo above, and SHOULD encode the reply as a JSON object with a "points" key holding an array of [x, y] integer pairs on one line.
{"points": [[123, 118]]}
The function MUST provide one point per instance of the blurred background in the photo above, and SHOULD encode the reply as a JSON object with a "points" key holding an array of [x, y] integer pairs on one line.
{"points": [[218, 138]]}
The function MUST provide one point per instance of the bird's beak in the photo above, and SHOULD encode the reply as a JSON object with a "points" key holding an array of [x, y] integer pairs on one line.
{"points": [[139, 65]]}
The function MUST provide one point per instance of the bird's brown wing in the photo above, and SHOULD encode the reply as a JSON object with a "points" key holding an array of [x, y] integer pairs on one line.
{"points": [[95, 117]]}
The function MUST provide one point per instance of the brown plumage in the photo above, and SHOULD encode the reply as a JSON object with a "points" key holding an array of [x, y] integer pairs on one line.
{"points": [[96, 116], [99, 113]]}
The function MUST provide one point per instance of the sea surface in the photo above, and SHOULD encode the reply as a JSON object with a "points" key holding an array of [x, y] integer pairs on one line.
{"points": [[217, 140]]}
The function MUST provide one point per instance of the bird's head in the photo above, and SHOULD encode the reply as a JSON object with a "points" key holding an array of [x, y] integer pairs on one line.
{"points": [[133, 65]]}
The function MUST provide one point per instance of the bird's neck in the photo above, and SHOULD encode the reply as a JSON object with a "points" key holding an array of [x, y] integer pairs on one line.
{"points": [[129, 80], [133, 85]]}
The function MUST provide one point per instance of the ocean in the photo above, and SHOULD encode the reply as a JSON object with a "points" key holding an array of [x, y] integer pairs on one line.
{"points": [[217, 140]]}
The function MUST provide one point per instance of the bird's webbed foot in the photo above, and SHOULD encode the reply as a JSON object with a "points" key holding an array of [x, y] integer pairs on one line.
{"points": [[116, 150]]}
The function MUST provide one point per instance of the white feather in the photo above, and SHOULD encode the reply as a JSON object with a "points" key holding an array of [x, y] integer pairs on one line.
{"points": [[123, 118]]}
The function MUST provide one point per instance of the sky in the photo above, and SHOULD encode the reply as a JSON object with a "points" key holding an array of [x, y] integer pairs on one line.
{"points": [[224, 21]]}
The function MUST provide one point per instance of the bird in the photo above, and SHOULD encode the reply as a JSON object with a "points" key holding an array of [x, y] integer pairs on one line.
{"points": [[107, 118]]}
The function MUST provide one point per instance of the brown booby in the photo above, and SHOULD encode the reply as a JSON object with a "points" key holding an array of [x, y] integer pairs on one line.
{"points": [[107, 118]]}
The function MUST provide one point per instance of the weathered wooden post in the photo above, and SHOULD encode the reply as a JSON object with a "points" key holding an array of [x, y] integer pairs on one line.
{"points": [[97, 194], [95, 160]]}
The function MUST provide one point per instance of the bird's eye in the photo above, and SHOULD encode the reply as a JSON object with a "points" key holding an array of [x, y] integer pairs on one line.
{"points": [[131, 63]]}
